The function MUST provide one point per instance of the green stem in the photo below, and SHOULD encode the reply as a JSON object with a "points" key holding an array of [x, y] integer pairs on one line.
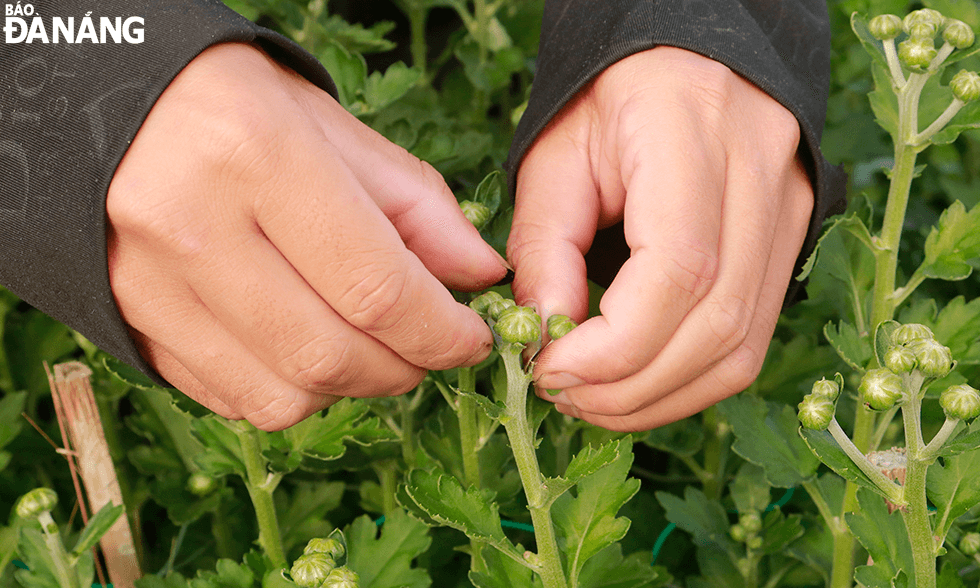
{"points": [[522, 444], [468, 436], [223, 538], [388, 478], [889, 488], [407, 429], [916, 513], [260, 487], [63, 566], [482, 33], [883, 423], [417, 15], [931, 451], [711, 474]]}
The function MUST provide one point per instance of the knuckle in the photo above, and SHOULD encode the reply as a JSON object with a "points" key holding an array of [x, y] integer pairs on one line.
{"points": [[692, 270], [729, 319], [320, 364], [376, 302], [275, 414], [741, 369]]}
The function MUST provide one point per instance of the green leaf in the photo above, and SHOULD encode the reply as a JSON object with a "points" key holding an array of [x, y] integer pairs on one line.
{"points": [[385, 560], [749, 489], [381, 90], [698, 515], [968, 12], [472, 511], [779, 531], [494, 570], [883, 339], [956, 326], [227, 574], [826, 448], [97, 527], [587, 462], [30, 339], [966, 440], [323, 437], [765, 435], [304, 516], [953, 488], [11, 421], [854, 349], [859, 24], [128, 374], [683, 438], [885, 538], [491, 190], [952, 243], [171, 580], [587, 521], [634, 571], [949, 577], [850, 222], [224, 451], [348, 70]]}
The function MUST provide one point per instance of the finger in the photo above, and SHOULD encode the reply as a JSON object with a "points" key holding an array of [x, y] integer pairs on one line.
{"points": [[319, 217], [417, 201], [673, 227], [555, 216], [685, 363]]}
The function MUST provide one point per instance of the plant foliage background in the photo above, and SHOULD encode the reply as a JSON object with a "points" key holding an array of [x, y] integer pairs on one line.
{"points": [[725, 498]]}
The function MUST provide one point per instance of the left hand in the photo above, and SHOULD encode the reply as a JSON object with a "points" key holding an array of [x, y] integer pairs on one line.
{"points": [[701, 167]]}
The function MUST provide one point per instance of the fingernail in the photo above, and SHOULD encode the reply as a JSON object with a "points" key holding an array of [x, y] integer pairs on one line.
{"points": [[559, 380], [508, 278]]}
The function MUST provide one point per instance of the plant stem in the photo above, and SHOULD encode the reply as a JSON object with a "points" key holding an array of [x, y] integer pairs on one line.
{"points": [[711, 474], [522, 444], [417, 14], [468, 436], [916, 514], [388, 478], [63, 567], [887, 487], [407, 429], [482, 28], [260, 488]]}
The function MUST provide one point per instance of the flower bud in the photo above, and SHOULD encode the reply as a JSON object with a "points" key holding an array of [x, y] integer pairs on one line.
{"points": [[476, 213], [751, 521], [342, 577], [482, 303], [907, 333], [922, 31], [331, 547], [560, 325], [965, 85], [201, 484], [970, 544], [754, 542], [880, 389], [35, 502], [933, 358], [958, 34], [900, 359], [960, 402], [738, 533], [916, 53], [498, 307], [885, 26], [816, 412], [310, 570], [924, 16], [519, 324], [825, 387]]}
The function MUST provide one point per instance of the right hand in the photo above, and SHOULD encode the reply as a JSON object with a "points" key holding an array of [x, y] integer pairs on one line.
{"points": [[271, 253]]}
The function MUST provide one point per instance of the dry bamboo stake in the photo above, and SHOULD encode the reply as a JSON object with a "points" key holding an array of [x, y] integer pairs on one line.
{"points": [[75, 404]]}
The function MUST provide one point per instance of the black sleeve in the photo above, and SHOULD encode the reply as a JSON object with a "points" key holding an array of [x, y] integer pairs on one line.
{"points": [[68, 111], [782, 46]]}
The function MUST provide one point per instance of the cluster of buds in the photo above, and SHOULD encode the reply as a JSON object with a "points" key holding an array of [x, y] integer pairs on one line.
{"points": [[918, 51], [818, 407], [477, 213], [517, 325], [747, 530], [322, 565]]}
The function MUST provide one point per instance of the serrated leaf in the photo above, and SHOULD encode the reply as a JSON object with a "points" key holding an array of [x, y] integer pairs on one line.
{"points": [[633, 571], [967, 440], [765, 435], [587, 521], [472, 511], [381, 90], [953, 488], [826, 448], [883, 339], [854, 349], [348, 70], [128, 374], [323, 437], [587, 462], [698, 515], [780, 531], [957, 326], [224, 450], [859, 24], [495, 570], [33, 551], [492, 409], [953, 242], [490, 191], [97, 527], [885, 538], [385, 560], [749, 489], [850, 222], [682, 438]]}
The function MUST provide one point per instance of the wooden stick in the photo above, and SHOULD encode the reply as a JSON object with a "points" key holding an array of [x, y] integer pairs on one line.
{"points": [[75, 401]]}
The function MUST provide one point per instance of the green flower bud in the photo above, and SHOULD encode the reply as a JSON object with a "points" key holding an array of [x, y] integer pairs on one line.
{"points": [[933, 358], [816, 412], [519, 324], [922, 32], [754, 542], [825, 387], [498, 307], [476, 213], [880, 389], [960, 402], [885, 26], [738, 533], [201, 484], [915, 53], [330, 546], [970, 544], [905, 334], [310, 570], [965, 85], [751, 521], [560, 325], [900, 359], [924, 16], [958, 34], [342, 577], [35, 502], [482, 303]]}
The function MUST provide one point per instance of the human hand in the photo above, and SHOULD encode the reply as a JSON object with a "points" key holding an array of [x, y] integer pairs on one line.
{"points": [[272, 253], [701, 167]]}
